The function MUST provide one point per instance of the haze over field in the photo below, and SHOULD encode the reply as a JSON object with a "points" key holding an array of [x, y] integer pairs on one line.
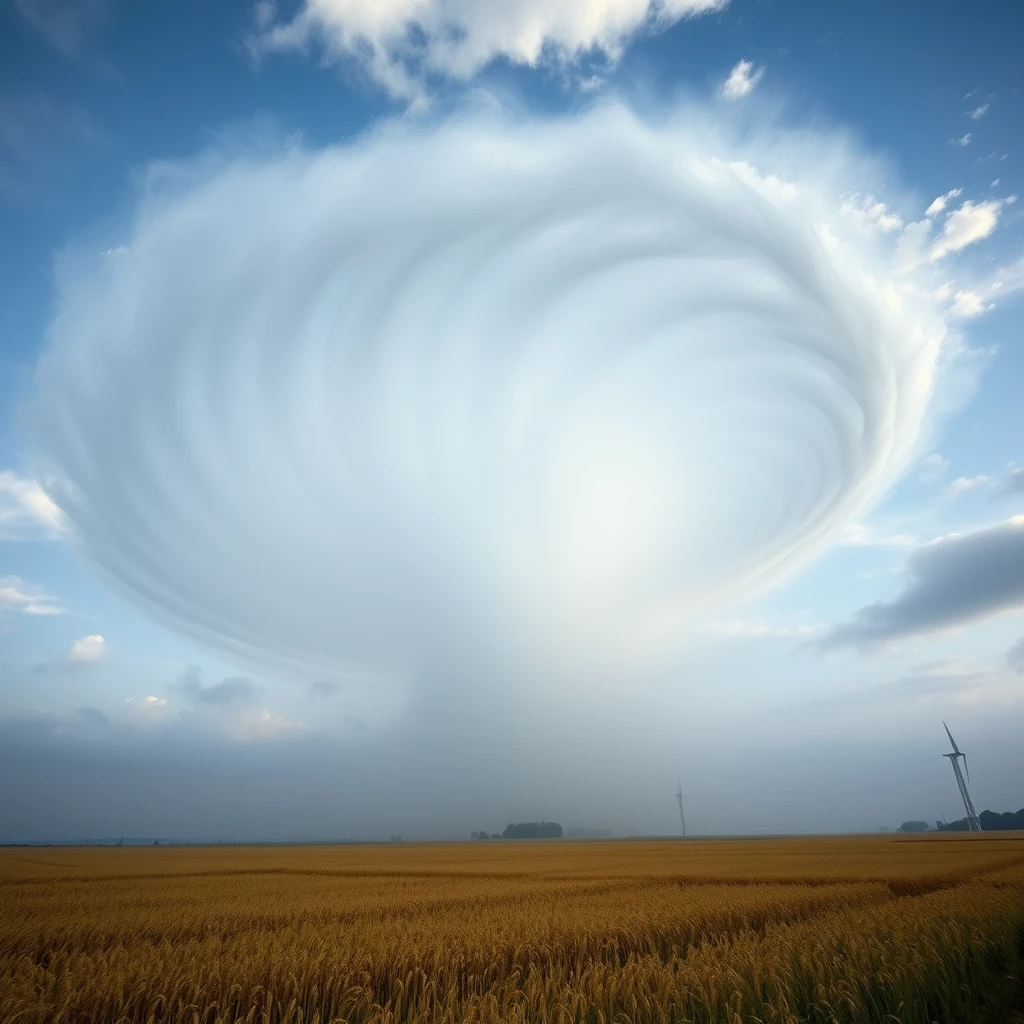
{"points": [[419, 423]]}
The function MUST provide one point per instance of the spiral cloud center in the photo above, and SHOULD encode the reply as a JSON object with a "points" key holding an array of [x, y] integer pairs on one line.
{"points": [[537, 386]]}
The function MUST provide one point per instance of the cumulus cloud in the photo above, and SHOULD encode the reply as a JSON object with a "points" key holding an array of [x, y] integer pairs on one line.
{"points": [[403, 44], [84, 653], [88, 649], [940, 203], [17, 595], [26, 512], [741, 81], [870, 212], [951, 581], [968, 304], [484, 391], [968, 224]]}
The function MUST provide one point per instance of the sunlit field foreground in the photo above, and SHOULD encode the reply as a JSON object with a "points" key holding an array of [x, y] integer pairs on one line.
{"points": [[830, 930]]}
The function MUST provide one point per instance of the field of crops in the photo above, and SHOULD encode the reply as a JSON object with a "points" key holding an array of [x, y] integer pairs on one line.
{"points": [[857, 929]]}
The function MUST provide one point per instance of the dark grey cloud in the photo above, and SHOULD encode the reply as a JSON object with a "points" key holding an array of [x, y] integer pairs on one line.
{"points": [[1009, 486], [233, 690], [949, 582]]}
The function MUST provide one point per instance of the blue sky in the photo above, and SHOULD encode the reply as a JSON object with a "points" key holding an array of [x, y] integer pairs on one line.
{"points": [[119, 122]]}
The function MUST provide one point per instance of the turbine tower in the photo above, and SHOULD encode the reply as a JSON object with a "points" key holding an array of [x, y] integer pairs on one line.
{"points": [[972, 818], [679, 800]]}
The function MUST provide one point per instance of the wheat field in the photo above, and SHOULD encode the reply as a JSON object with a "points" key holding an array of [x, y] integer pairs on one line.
{"points": [[823, 930]]}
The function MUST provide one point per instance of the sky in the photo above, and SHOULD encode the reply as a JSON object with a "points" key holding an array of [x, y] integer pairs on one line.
{"points": [[422, 416]]}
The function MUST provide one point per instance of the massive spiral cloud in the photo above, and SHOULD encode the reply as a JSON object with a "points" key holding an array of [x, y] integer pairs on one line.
{"points": [[546, 387]]}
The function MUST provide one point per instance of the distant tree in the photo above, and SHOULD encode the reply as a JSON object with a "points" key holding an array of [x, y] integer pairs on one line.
{"points": [[991, 821], [533, 830], [474, 835], [913, 826], [481, 835]]}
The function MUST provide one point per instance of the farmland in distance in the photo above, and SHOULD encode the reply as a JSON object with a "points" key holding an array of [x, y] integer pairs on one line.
{"points": [[854, 929]]}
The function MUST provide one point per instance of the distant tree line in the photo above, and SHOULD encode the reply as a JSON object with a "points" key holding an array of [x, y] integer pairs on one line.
{"points": [[991, 821], [525, 830]]}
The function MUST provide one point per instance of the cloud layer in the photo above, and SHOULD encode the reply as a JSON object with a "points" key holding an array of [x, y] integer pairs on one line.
{"points": [[480, 392], [403, 43], [950, 582]]}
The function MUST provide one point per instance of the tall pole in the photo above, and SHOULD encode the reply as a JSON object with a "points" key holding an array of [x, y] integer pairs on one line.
{"points": [[954, 759], [679, 800]]}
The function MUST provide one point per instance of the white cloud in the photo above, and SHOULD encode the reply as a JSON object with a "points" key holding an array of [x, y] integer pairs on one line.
{"points": [[968, 304], [25, 509], [868, 211], [403, 44], [505, 461], [939, 204], [17, 595], [967, 224], [88, 649], [148, 704], [933, 468], [963, 484], [964, 140], [742, 79], [978, 112]]}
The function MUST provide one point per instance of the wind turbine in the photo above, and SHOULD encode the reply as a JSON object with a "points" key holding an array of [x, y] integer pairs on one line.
{"points": [[679, 800], [972, 818]]}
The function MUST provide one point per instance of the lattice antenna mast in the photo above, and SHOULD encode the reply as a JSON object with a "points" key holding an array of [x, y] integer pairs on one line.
{"points": [[954, 759], [679, 800]]}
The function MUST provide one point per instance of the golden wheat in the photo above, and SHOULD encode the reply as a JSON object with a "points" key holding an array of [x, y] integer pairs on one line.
{"points": [[837, 931]]}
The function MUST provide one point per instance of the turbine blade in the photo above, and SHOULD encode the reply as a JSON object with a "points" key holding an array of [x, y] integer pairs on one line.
{"points": [[966, 769], [951, 740]]}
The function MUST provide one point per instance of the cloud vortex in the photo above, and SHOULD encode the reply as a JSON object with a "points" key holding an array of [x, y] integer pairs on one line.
{"points": [[548, 387]]}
